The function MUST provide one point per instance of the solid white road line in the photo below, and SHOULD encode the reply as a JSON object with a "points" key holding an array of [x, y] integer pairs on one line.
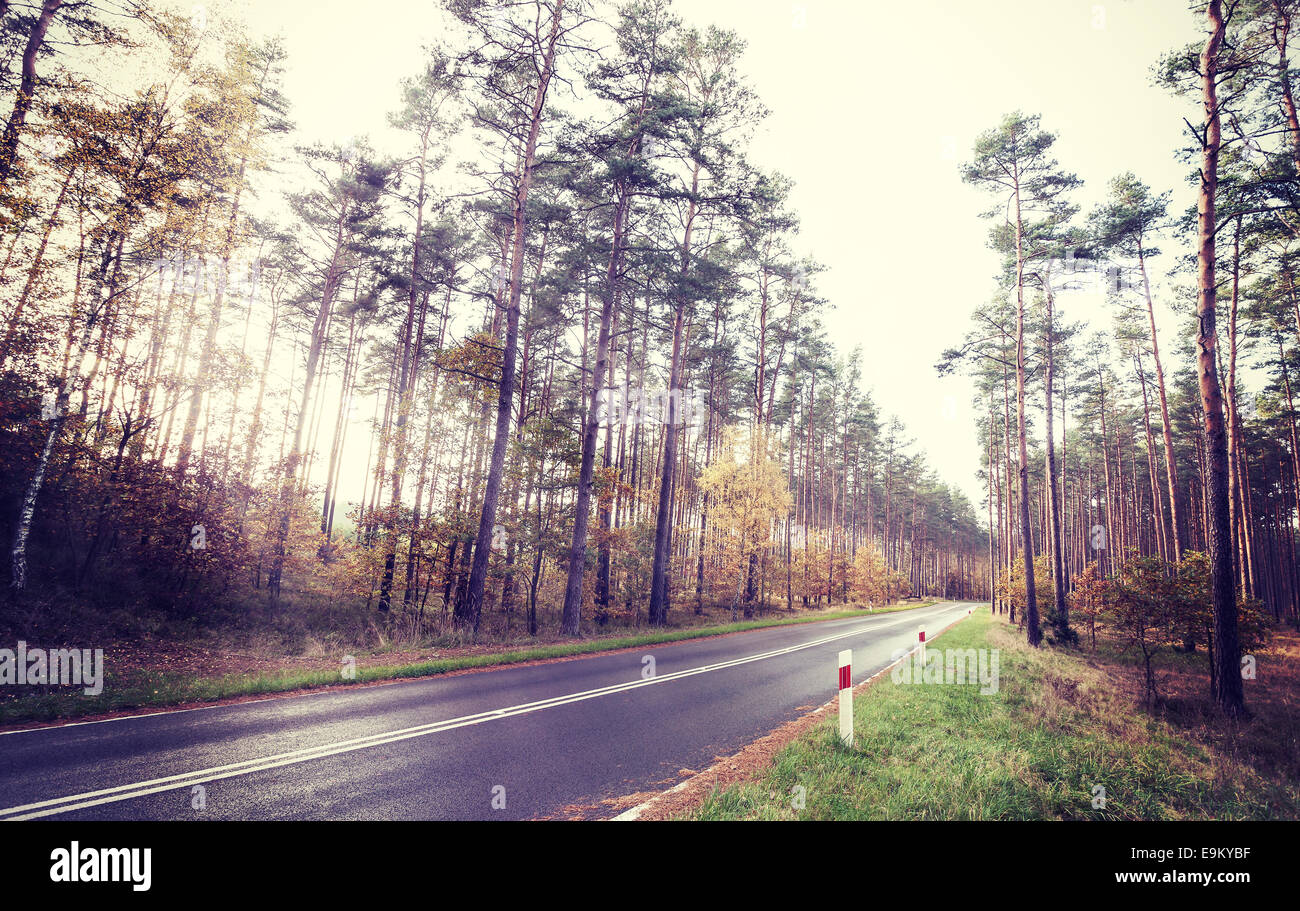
{"points": [[143, 788], [635, 812]]}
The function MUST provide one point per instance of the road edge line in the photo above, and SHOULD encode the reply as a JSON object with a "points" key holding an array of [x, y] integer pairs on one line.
{"points": [[635, 813]]}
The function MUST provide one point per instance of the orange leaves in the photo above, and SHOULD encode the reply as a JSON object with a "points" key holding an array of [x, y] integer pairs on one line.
{"points": [[874, 583]]}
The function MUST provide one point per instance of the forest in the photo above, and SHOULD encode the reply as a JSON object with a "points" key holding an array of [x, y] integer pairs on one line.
{"points": [[556, 368], [561, 367], [1166, 502], [642, 410]]}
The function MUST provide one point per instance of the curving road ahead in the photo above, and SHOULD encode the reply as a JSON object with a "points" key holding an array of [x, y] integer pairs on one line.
{"points": [[518, 742]]}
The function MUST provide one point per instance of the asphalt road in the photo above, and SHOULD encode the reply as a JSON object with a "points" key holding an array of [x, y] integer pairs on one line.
{"points": [[518, 742]]}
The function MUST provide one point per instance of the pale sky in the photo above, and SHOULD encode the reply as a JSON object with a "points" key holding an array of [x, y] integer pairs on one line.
{"points": [[873, 107]]}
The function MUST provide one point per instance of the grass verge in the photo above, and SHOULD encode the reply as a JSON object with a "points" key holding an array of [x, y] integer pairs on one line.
{"points": [[156, 689], [1060, 725]]}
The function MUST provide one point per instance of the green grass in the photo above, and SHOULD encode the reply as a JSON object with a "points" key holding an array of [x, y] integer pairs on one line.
{"points": [[1057, 727], [145, 690]]}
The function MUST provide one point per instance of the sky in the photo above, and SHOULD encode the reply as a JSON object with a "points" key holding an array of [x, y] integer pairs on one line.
{"points": [[873, 106]]}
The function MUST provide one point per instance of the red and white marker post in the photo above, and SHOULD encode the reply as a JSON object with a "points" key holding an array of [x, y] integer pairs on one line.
{"points": [[846, 697], [920, 637]]}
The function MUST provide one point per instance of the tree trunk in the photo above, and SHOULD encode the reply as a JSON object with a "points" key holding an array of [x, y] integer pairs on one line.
{"points": [[572, 614], [1064, 634], [26, 88], [487, 519], [1031, 601], [1226, 645]]}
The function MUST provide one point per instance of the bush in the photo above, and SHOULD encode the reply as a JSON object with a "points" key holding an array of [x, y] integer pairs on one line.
{"points": [[1143, 609], [874, 583], [1011, 587], [1150, 604], [1090, 597]]}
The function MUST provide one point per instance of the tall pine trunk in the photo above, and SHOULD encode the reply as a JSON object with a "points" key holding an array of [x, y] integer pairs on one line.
{"points": [[1035, 636], [1226, 644], [492, 490]]}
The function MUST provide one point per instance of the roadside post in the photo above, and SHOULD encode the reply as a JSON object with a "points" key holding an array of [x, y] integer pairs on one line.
{"points": [[846, 697]]}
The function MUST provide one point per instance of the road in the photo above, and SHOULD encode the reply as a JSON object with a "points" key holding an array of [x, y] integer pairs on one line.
{"points": [[513, 743]]}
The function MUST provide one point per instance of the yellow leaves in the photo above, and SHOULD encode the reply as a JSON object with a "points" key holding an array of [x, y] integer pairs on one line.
{"points": [[747, 494], [872, 582], [1091, 592], [1012, 589], [475, 364]]}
